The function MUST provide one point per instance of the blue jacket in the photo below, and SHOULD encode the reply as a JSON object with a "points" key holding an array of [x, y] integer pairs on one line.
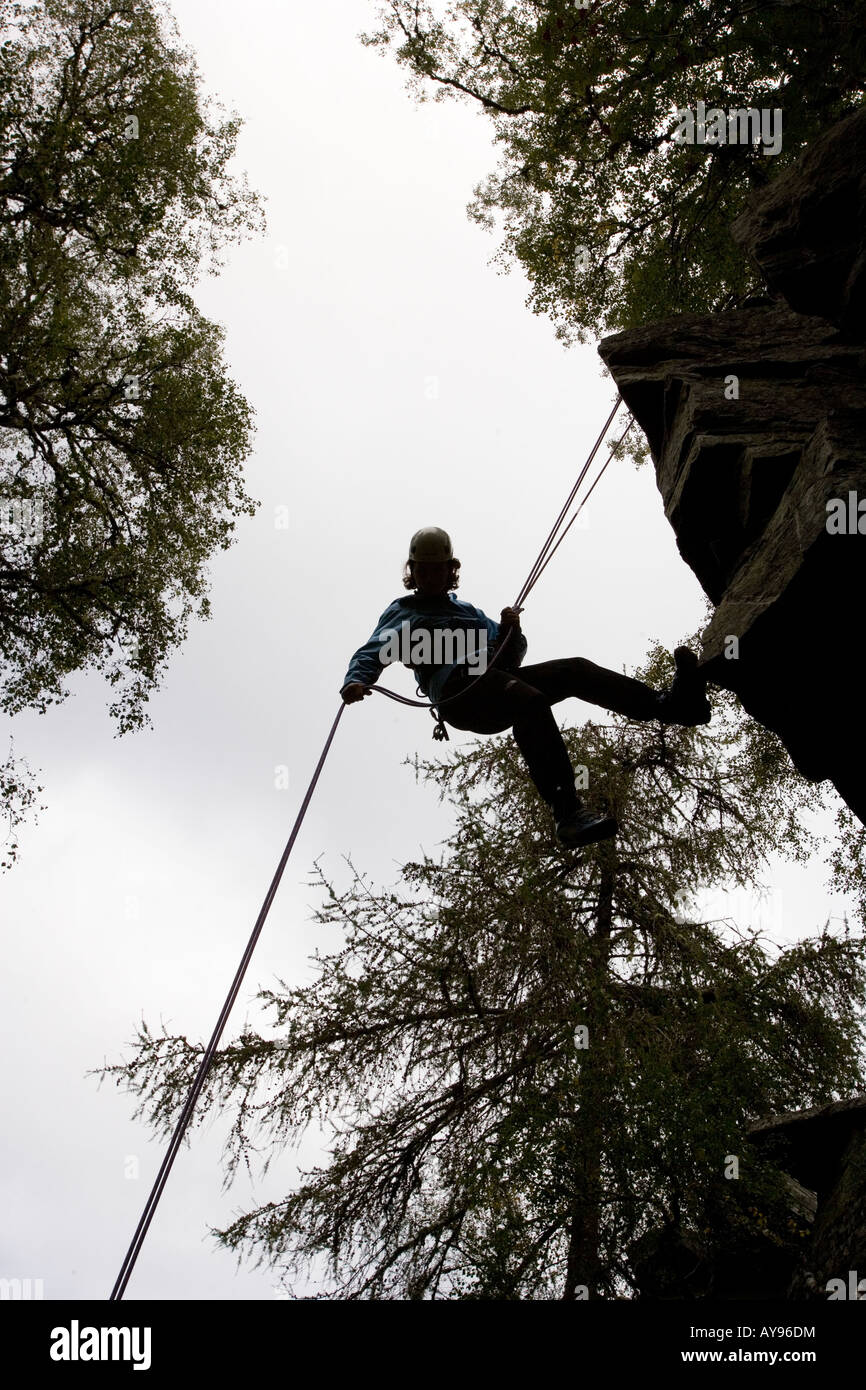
{"points": [[428, 613]]}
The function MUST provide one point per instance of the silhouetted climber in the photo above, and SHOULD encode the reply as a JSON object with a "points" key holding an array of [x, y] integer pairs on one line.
{"points": [[445, 643]]}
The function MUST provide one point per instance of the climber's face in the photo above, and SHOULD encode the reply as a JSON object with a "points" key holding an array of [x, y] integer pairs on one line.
{"points": [[432, 576]]}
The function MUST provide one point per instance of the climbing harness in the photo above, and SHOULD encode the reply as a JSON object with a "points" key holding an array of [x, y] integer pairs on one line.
{"points": [[548, 550]]}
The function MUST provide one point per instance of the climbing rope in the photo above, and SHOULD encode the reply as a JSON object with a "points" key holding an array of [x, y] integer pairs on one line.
{"points": [[546, 551], [210, 1051], [538, 569], [551, 545]]}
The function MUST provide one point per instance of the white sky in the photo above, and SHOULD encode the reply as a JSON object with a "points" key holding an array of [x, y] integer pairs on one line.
{"points": [[136, 894]]}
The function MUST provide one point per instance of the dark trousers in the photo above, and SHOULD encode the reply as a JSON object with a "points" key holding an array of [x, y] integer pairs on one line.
{"points": [[522, 702]]}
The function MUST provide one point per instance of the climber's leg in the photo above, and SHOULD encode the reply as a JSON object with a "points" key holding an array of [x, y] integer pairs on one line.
{"points": [[582, 679], [501, 700], [685, 702]]}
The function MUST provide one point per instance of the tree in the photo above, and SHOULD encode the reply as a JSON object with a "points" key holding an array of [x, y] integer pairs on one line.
{"points": [[18, 793], [531, 1058], [121, 434], [614, 222]]}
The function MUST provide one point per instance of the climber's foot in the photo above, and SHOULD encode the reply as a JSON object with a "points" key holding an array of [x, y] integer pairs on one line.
{"points": [[686, 702], [585, 828]]}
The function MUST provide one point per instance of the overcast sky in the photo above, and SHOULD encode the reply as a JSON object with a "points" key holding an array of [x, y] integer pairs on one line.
{"points": [[398, 381]]}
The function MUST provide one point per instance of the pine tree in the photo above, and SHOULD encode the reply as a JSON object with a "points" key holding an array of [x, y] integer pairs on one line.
{"points": [[532, 1058]]}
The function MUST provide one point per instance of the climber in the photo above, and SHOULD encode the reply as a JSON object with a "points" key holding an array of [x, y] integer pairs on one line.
{"points": [[498, 699]]}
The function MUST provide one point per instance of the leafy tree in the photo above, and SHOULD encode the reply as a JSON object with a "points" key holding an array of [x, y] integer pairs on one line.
{"points": [[614, 222], [121, 434], [531, 1058], [848, 857], [18, 793]]}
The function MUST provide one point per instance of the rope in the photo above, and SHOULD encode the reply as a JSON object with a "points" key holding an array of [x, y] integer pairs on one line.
{"points": [[541, 568], [544, 557], [534, 573], [205, 1064]]}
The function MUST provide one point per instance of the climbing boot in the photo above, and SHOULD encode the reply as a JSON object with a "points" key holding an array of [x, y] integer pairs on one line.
{"points": [[583, 827], [686, 702]]}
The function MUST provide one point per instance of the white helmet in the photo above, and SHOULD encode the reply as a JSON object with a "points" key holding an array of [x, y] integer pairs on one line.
{"points": [[431, 543]]}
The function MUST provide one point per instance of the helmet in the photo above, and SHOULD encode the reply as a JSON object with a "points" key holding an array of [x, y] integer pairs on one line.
{"points": [[431, 543]]}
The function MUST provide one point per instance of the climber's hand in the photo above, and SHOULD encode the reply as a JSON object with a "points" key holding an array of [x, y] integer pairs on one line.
{"points": [[354, 691], [510, 618]]}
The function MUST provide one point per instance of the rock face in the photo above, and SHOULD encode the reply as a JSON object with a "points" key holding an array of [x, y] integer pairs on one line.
{"points": [[806, 230], [756, 420], [822, 1155], [824, 1150]]}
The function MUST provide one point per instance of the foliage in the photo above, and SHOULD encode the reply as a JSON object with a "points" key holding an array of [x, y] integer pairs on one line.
{"points": [[121, 434], [582, 101], [481, 1148], [18, 793]]}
